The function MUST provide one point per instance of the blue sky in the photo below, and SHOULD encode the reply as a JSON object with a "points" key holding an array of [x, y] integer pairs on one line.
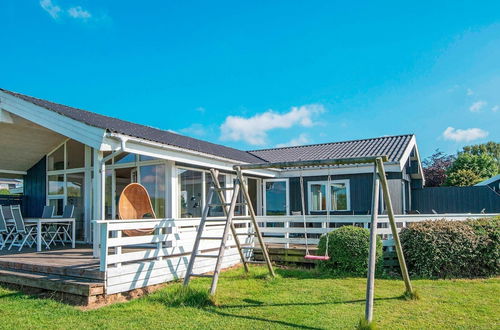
{"points": [[257, 74]]}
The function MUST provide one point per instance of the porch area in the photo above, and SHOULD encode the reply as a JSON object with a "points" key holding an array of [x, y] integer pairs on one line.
{"points": [[70, 275]]}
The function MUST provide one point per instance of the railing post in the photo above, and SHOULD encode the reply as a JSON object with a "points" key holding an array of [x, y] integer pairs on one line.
{"points": [[286, 225], [96, 239], [104, 246]]}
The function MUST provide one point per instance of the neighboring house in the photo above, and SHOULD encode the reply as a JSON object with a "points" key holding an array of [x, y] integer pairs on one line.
{"points": [[14, 186], [493, 183], [72, 156]]}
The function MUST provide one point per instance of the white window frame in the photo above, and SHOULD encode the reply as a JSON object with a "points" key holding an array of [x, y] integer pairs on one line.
{"points": [[264, 197], [328, 195]]}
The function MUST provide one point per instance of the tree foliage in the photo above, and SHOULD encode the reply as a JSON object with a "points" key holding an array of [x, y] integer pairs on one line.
{"points": [[490, 148], [435, 168], [469, 169]]}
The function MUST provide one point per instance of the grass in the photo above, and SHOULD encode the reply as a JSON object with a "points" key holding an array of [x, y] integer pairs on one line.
{"points": [[301, 299]]}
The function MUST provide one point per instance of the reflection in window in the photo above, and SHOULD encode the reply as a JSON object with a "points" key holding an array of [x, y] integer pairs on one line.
{"points": [[55, 161], [108, 204], [75, 154], [338, 197], [153, 179], [58, 205], [190, 190], [318, 197], [215, 211], [276, 198], [75, 196], [125, 157], [56, 184]]}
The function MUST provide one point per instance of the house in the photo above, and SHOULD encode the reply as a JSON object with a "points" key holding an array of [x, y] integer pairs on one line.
{"points": [[72, 156], [493, 183], [11, 185]]}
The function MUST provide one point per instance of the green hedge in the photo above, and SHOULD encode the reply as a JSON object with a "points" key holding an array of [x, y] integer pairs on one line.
{"points": [[348, 249], [448, 249]]}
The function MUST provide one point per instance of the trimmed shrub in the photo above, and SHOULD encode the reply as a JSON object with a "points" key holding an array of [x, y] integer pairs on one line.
{"points": [[487, 261], [448, 249], [348, 249]]}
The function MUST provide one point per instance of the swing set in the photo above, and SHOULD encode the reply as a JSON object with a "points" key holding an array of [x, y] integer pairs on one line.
{"points": [[379, 179]]}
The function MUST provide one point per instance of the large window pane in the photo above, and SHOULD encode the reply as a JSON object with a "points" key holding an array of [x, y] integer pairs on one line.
{"points": [[56, 184], [108, 205], [75, 154], [153, 179], [276, 198], [55, 161], [317, 192], [190, 190], [58, 205], [339, 197], [215, 211], [75, 195]]}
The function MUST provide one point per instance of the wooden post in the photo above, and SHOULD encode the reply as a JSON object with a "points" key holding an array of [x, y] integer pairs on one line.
{"points": [[372, 258], [392, 221]]}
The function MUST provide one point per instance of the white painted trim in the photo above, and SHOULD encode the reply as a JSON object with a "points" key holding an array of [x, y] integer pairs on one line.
{"points": [[76, 130], [328, 193], [264, 199], [13, 172]]}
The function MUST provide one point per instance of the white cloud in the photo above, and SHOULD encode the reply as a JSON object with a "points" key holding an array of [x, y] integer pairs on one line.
{"points": [[50, 8], [201, 109], [477, 106], [194, 129], [298, 141], [254, 130], [470, 92], [495, 108], [79, 13], [464, 135]]}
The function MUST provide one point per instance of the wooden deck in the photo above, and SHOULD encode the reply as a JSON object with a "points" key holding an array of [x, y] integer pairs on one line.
{"points": [[71, 274]]}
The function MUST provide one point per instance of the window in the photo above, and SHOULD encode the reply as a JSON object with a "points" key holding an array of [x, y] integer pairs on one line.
{"points": [[124, 157], [276, 197], [153, 179], [55, 161], [190, 192], [336, 198], [216, 211], [75, 154]]}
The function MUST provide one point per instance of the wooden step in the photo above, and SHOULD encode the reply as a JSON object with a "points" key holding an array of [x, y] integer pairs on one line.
{"points": [[55, 283], [83, 271]]}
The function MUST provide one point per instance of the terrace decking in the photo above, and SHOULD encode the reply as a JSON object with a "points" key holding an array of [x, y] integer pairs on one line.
{"points": [[71, 275]]}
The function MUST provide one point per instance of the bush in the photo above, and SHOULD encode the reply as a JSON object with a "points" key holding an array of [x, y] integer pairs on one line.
{"points": [[447, 249], [348, 249]]}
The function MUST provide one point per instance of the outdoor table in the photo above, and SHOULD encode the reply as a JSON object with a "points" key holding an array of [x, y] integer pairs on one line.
{"points": [[39, 222]]}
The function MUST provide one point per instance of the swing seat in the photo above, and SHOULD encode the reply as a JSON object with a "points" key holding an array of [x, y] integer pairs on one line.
{"points": [[312, 257]]}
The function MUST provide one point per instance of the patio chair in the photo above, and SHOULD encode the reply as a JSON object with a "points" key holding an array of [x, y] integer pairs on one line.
{"points": [[23, 234], [61, 231], [135, 204], [6, 230], [48, 212]]}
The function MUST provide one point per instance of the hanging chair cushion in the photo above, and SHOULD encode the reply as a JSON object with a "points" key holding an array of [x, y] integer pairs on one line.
{"points": [[135, 204], [311, 257]]}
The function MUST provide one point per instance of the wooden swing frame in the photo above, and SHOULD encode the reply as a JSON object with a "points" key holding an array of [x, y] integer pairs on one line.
{"points": [[379, 178]]}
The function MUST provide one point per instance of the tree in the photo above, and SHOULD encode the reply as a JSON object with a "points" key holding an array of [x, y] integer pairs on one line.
{"points": [[490, 148], [469, 169], [435, 167]]}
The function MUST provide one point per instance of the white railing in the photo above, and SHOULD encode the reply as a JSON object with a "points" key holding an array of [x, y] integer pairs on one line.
{"points": [[140, 261], [289, 230]]}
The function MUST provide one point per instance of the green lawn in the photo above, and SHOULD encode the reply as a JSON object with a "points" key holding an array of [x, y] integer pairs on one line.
{"points": [[296, 299]]}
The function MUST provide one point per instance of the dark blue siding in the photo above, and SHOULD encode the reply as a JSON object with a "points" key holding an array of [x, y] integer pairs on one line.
{"points": [[34, 189]]}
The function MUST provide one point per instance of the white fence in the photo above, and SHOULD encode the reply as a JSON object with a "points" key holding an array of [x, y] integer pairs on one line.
{"points": [[135, 262], [289, 230]]}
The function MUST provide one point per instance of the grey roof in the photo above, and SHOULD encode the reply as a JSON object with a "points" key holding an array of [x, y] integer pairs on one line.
{"points": [[391, 146], [140, 131]]}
